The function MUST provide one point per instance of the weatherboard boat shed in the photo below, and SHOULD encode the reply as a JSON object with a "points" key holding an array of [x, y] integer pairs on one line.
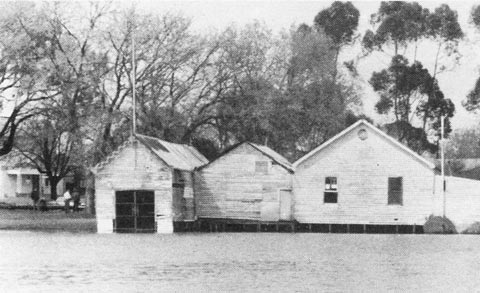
{"points": [[363, 177], [145, 186], [248, 183]]}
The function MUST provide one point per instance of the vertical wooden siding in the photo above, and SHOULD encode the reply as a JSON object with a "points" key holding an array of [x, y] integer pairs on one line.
{"points": [[362, 168], [229, 188]]}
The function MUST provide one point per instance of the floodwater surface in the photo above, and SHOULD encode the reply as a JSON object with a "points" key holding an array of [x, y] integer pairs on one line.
{"points": [[242, 262]]}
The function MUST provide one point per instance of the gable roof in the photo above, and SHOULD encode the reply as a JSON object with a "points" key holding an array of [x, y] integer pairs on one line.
{"points": [[375, 130], [276, 157], [177, 156], [273, 155]]}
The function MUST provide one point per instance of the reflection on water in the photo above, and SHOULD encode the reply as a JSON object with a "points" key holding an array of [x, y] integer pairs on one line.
{"points": [[238, 262]]}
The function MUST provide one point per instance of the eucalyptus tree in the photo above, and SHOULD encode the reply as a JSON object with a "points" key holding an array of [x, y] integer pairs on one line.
{"points": [[401, 25], [398, 23], [339, 22], [472, 102], [401, 87]]}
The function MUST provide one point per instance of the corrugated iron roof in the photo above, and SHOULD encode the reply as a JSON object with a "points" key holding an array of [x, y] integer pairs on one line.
{"points": [[279, 159], [177, 156]]}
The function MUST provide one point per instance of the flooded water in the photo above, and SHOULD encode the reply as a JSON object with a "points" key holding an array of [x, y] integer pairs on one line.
{"points": [[242, 262]]}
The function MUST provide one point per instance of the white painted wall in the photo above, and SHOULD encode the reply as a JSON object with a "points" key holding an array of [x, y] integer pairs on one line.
{"points": [[362, 168], [462, 200], [134, 169]]}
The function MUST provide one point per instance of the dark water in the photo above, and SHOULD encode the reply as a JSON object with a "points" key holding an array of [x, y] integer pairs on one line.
{"points": [[243, 262]]}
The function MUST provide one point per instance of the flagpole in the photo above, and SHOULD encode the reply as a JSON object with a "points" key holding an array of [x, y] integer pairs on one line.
{"points": [[442, 145], [134, 118], [133, 77]]}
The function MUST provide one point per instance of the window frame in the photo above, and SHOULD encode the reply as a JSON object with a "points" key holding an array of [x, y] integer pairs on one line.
{"points": [[395, 196], [330, 193]]}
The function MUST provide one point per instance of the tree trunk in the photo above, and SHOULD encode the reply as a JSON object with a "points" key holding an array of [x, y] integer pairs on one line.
{"points": [[53, 188], [90, 193], [335, 68]]}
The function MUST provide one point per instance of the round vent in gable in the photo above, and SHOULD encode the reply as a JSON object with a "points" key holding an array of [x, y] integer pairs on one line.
{"points": [[362, 134]]}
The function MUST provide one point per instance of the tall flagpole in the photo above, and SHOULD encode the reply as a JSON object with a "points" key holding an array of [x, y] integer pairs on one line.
{"points": [[134, 118], [442, 144], [133, 77]]}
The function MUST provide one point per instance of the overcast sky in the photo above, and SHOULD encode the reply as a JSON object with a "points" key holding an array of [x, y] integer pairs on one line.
{"points": [[278, 15]]}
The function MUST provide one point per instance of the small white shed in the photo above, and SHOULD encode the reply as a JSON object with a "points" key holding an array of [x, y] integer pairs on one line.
{"points": [[145, 186]]}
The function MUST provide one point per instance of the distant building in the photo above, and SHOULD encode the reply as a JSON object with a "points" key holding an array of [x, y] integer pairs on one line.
{"points": [[363, 176], [18, 178], [249, 182], [145, 186]]}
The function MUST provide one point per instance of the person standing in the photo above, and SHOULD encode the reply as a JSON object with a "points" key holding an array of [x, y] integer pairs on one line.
{"points": [[67, 197], [35, 196], [76, 199]]}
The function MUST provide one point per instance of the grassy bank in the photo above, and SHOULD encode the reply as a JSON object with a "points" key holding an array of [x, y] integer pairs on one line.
{"points": [[53, 220]]}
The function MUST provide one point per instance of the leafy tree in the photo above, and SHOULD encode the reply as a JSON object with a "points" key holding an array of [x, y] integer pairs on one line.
{"points": [[443, 27], [414, 137], [472, 102], [339, 23], [464, 144], [311, 57], [47, 142], [406, 91], [22, 56], [399, 86], [411, 91], [69, 70], [292, 114], [398, 23]]}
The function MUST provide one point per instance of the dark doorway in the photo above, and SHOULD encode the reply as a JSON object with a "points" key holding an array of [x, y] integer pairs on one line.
{"points": [[36, 184], [135, 211]]}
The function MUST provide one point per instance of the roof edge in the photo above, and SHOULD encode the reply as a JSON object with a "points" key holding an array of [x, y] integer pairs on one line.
{"points": [[375, 129], [290, 169], [226, 152], [169, 165]]}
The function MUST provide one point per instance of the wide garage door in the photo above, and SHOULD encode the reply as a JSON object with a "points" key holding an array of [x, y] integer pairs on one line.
{"points": [[134, 211]]}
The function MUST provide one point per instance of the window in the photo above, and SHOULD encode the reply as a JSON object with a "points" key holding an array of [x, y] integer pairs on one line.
{"points": [[331, 194], [395, 190], [261, 167]]}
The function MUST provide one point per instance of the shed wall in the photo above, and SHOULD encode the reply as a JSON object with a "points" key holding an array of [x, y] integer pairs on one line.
{"points": [[133, 168], [183, 201], [362, 168], [229, 188]]}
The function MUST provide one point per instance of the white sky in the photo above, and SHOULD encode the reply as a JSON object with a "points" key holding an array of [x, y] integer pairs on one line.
{"points": [[278, 15]]}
